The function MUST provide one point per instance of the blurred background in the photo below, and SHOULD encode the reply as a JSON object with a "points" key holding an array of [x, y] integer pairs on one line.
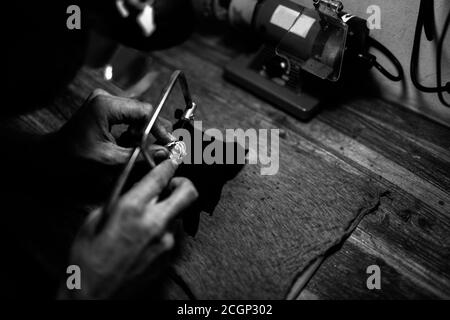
{"points": [[398, 23]]}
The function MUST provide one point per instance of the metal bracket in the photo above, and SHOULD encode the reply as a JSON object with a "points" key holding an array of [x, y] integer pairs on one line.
{"points": [[329, 7]]}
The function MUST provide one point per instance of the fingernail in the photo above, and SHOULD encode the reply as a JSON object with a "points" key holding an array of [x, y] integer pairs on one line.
{"points": [[161, 154], [174, 162], [172, 137]]}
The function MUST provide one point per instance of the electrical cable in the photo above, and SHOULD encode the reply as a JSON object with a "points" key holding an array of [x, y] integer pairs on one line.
{"points": [[428, 23], [439, 62], [416, 48], [380, 47]]}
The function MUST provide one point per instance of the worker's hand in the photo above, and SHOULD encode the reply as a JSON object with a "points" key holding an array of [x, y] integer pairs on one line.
{"points": [[127, 249], [88, 134]]}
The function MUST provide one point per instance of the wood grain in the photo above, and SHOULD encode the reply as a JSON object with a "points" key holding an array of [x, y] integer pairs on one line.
{"points": [[264, 230], [424, 204]]}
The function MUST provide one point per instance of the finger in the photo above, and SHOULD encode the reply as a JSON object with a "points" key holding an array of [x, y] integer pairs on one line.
{"points": [[116, 155], [168, 241], [152, 184], [97, 92], [165, 123], [165, 243], [136, 4], [157, 153], [90, 223], [161, 132], [183, 195], [154, 250], [130, 111]]}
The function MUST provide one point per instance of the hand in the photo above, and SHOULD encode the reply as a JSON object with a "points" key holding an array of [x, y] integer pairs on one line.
{"points": [[88, 134], [134, 237], [84, 156]]}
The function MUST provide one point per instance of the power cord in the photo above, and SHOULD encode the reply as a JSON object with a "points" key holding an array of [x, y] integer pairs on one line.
{"points": [[371, 60], [425, 21], [439, 62], [380, 47]]}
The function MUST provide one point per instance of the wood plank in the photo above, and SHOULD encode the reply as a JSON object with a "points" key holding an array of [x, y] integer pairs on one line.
{"points": [[414, 230], [236, 98], [377, 163], [425, 141], [92, 80], [434, 196], [394, 131], [343, 276], [408, 235], [246, 188], [400, 120], [429, 162]]}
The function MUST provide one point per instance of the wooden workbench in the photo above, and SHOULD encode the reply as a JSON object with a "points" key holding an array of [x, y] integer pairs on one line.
{"points": [[408, 233]]}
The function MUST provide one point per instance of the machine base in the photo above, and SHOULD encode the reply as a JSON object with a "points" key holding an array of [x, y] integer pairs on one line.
{"points": [[301, 105]]}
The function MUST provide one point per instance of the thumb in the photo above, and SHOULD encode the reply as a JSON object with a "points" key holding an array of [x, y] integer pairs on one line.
{"points": [[117, 155]]}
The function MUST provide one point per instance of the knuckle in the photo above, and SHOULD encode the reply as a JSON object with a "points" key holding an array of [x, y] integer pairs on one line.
{"points": [[190, 189], [99, 101], [154, 228], [168, 242], [129, 207], [97, 92], [148, 108], [166, 123], [159, 180]]}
